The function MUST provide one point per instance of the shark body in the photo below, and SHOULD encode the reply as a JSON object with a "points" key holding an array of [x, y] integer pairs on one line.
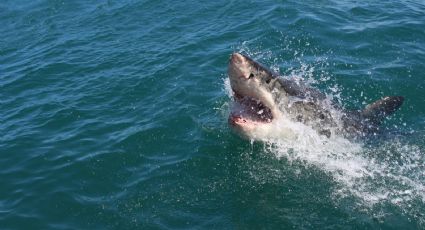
{"points": [[262, 96]]}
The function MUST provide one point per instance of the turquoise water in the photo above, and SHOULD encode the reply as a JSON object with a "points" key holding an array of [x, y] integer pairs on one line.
{"points": [[113, 115]]}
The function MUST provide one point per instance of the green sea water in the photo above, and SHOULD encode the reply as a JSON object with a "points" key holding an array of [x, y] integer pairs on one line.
{"points": [[113, 115]]}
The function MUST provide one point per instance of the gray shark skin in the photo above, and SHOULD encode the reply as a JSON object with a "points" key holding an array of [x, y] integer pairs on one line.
{"points": [[262, 96]]}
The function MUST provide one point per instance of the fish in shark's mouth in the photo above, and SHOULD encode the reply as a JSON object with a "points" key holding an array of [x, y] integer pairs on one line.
{"points": [[262, 96]]}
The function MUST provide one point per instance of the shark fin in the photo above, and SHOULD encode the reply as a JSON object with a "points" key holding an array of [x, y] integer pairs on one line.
{"points": [[378, 110]]}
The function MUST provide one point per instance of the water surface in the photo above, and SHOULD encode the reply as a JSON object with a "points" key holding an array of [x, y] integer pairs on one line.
{"points": [[113, 115]]}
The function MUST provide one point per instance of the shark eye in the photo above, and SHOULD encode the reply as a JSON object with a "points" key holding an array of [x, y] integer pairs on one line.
{"points": [[251, 75]]}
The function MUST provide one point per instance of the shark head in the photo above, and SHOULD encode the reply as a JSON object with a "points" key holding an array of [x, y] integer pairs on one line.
{"points": [[255, 105]]}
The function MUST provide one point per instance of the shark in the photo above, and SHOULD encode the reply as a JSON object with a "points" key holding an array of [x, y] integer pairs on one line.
{"points": [[262, 97]]}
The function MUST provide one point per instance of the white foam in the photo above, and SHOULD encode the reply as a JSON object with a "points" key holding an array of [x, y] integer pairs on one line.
{"points": [[227, 87], [358, 170]]}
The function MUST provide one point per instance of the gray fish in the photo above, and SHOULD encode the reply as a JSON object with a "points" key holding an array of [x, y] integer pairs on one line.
{"points": [[263, 96]]}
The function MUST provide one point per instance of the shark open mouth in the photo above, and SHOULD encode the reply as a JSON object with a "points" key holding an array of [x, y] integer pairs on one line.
{"points": [[248, 111]]}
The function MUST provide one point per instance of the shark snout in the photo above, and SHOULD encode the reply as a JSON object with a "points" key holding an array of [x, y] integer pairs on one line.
{"points": [[237, 58], [239, 67]]}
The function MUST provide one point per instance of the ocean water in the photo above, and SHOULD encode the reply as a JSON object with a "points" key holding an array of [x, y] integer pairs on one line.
{"points": [[113, 115]]}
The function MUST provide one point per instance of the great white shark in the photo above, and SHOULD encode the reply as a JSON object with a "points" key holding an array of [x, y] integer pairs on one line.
{"points": [[262, 96]]}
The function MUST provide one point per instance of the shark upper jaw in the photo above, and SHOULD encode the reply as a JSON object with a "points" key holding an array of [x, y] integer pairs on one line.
{"points": [[253, 101]]}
